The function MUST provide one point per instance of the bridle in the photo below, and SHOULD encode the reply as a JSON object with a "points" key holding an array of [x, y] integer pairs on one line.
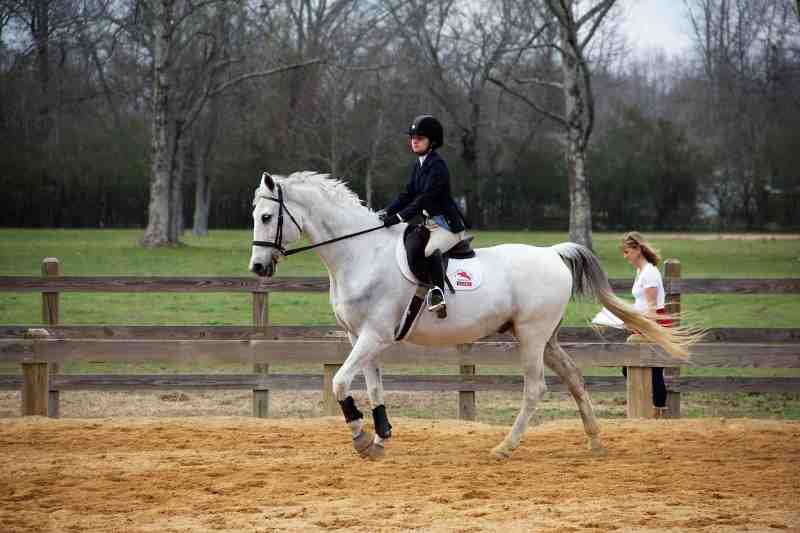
{"points": [[278, 242]]}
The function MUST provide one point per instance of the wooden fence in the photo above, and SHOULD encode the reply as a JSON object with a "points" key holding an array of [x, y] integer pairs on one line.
{"points": [[262, 344]]}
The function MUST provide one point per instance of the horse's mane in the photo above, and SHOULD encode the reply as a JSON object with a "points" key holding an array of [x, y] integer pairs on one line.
{"points": [[334, 188]]}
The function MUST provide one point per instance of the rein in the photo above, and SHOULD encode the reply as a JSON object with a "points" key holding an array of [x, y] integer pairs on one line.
{"points": [[278, 242]]}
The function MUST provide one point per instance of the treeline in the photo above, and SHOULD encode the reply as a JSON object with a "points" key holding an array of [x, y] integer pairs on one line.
{"points": [[707, 140]]}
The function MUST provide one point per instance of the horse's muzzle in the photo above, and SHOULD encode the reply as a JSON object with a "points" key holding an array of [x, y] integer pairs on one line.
{"points": [[264, 270]]}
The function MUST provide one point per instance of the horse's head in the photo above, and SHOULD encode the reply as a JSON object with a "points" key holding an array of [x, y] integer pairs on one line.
{"points": [[274, 227]]}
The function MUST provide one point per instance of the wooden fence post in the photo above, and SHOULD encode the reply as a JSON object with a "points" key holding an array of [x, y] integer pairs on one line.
{"points": [[35, 388], [330, 407], [466, 399], [672, 273], [639, 387], [51, 267], [260, 320]]}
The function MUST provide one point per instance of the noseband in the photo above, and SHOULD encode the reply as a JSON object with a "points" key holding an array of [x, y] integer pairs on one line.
{"points": [[278, 242]]}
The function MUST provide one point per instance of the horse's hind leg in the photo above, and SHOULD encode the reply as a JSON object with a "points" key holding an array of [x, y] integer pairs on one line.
{"points": [[531, 350], [563, 365], [383, 429]]}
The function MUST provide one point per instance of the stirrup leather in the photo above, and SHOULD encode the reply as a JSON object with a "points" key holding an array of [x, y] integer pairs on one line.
{"points": [[429, 297]]}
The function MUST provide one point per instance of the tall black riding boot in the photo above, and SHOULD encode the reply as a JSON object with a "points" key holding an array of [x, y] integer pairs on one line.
{"points": [[436, 294]]}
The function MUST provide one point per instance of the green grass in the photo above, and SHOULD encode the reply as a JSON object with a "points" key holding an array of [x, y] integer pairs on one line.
{"points": [[226, 253]]}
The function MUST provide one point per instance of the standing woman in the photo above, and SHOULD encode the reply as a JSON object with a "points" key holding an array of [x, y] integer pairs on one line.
{"points": [[650, 297]]}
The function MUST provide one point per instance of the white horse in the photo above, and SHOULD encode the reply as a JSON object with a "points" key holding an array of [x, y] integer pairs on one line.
{"points": [[526, 286]]}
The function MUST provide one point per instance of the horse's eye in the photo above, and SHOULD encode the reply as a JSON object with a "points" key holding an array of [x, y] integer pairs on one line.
{"points": [[265, 218]]}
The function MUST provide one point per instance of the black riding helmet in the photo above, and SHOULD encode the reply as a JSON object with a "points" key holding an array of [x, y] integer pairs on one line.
{"points": [[429, 127]]}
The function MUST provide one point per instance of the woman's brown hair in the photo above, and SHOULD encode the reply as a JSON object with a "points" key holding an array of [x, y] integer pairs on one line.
{"points": [[634, 239]]}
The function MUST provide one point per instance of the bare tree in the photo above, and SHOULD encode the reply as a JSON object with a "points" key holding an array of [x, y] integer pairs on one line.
{"points": [[48, 22], [202, 154], [301, 29], [377, 137], [456, 46], [181, 89], [744, 47], [575, 36]]}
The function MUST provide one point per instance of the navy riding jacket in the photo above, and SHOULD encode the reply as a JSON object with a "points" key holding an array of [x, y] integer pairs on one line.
{"points": [[428, 189]]}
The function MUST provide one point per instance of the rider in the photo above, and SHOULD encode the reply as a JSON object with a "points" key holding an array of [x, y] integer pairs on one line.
{"points": [[428, 194]]}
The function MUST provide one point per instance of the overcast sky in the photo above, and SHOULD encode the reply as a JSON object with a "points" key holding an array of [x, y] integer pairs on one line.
{"points": [[657, 24]]}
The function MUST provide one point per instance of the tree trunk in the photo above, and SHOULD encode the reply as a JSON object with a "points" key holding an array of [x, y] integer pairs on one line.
{"points": [[580, 203], [202, 197], [484, 171], [158, 219], [40, 26], [202, 194], [157, 232], [180, 161], [373, 154], [333, 147], [368, 182], [474, 155]]}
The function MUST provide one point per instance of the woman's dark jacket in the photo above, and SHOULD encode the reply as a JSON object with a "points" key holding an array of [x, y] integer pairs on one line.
{"points": [[428, 189]]}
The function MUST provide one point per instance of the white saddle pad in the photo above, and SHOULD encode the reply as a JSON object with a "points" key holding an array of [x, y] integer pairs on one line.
{"points": [[464, 274]]}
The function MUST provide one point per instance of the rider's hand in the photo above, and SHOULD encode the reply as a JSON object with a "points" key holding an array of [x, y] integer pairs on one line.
{"points": [[392, 220]]}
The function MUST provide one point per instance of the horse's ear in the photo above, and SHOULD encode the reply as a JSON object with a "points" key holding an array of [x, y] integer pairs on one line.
{"points": [[267, 181]]}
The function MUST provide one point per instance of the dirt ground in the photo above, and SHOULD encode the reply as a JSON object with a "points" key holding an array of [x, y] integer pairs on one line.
{"points": [[246, 474]]}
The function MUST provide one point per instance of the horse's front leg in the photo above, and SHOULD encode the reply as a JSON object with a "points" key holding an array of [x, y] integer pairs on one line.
{"points": [[361, 358]]}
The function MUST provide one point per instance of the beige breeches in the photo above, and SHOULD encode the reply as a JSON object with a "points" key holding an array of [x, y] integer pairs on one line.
{"points": [[441, 238]]}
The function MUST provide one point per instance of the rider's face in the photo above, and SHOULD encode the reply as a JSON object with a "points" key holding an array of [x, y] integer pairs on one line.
{"points": [[420, 144]]}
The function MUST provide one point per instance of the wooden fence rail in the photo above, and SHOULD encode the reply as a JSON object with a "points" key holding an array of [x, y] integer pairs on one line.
{"points": [[391, 382], [566, 333], [498, 353], [295, 284], [262, 344]]}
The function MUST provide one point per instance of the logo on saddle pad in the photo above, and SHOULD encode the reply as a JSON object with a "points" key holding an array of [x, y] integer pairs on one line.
{"points": [[464, 277]]}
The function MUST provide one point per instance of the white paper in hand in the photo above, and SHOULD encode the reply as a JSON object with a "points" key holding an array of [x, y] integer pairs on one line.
{"points": [[607, 318]]}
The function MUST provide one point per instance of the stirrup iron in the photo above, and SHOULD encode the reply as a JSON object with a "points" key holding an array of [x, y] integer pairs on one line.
{"points": [[440, 307]]}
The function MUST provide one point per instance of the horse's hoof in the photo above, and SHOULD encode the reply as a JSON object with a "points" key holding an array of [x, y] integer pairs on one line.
{"points": [[596, 447], [376, 452], [501, 452], [599, 451], [362, 443]]}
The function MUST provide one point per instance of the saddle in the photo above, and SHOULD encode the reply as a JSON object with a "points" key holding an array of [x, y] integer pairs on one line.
{"points": [[419, 266], [460, 264]]}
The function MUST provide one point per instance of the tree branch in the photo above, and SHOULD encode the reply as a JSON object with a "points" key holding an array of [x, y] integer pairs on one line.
{"points": [[601, 14], [603, 6], [538, 81], [370, 68], [263, 74], [539, 109], [587, 84], [560, 12]]}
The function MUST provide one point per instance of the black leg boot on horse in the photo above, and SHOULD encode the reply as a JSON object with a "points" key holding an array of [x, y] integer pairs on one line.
{"points": [[436, 300]]}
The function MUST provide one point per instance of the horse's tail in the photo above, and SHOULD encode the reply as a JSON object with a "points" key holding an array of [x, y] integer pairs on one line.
{"points": [[590, 281]]}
